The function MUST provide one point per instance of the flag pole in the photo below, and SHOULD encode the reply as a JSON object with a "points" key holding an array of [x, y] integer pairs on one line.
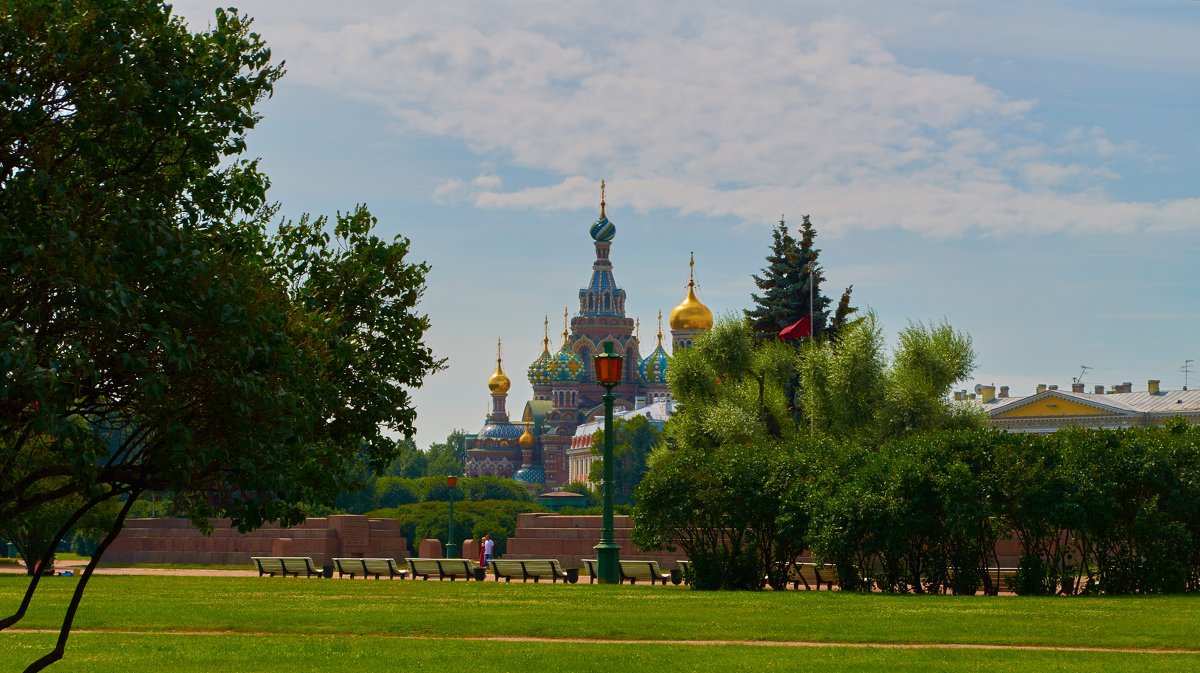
{"points": [[812, 327]]}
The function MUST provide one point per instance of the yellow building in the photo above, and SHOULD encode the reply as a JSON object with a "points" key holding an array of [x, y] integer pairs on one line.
{"points": [[1049, 408]]}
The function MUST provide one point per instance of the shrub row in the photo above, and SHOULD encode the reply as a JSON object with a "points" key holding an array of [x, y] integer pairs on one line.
{"points": [[428, 520], [1111, 511], [387, 492]]}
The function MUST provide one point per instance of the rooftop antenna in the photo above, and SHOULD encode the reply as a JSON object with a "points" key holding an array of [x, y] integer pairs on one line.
{"points": [[1083, 369], [1186, 369]]}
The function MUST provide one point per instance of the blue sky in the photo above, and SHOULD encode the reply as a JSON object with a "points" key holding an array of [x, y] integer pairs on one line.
{"points": [[1026, 171]]}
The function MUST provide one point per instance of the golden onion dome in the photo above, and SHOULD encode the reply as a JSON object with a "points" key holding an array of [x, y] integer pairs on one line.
{"points": [[526, 440], [499, 383], [691, 314]]}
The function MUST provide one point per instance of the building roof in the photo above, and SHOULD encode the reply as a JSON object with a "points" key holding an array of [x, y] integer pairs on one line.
{"points": [[657, 413], [1140, 402]]}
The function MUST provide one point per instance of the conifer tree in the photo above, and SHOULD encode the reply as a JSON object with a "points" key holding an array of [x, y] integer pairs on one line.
{"points": [[785, 285]]}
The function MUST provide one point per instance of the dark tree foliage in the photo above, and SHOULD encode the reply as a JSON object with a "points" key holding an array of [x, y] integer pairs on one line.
{"points": [[154, 337], [473, 519], [785, 285], [633, 439], [1094, 511]]}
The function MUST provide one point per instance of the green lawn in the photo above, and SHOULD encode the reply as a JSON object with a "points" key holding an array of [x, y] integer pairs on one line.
{"points": [[263, 624]]}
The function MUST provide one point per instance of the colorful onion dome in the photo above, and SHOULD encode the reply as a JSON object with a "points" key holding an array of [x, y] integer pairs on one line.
{"points": [[539, 371], [526, 439], [654, 368], [602, 230], [533, 474], [691, 314], [565, 365], [499, 383]]}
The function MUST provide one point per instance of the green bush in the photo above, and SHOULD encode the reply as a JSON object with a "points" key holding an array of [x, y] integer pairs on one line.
{"points": [[428, 520]]}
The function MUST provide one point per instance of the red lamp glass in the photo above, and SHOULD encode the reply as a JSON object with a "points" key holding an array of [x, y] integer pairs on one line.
{"points": [[608, 366], [452, 481]]}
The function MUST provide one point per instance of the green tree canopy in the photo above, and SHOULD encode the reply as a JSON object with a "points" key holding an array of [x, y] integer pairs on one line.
{"points": [[151, 329], [851, 389]]}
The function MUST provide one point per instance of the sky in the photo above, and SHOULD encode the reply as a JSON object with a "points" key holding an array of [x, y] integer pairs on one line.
{"points": [[1027, 171]]}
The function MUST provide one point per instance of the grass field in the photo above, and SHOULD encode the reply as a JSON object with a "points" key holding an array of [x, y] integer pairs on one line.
{"points": [[259, 624]]}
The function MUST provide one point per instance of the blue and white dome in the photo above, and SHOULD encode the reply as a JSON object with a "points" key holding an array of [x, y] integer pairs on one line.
{"points": [[534, 474]]}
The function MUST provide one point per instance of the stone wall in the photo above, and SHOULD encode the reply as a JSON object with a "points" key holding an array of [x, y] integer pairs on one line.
{"points": [[570, 540], [177, 541]]}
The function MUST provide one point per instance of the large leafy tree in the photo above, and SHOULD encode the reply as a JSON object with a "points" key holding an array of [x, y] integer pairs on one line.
{"points": [[791, 287], [154, 336], [851, 390], [723, 491]]}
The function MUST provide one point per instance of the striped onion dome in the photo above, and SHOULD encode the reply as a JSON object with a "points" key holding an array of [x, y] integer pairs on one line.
{"points": [[654, 367]]}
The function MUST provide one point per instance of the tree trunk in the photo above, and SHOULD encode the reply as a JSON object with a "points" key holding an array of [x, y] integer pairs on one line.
{"points": [[45, 560], [59, 648]]}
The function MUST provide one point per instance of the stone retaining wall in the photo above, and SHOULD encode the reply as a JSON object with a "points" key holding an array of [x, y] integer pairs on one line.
{"points": [[177, 541], [570, 540]]}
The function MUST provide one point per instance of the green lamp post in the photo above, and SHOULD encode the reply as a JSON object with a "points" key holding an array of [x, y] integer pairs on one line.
{"points": [[451, 546], [608, 374]]}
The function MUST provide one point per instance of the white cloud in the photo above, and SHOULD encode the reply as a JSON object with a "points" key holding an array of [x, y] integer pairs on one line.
{"points": [[714, 112]]}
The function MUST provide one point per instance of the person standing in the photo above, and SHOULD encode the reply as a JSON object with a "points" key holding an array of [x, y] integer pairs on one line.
{"points": [[482, 560], [488, 546]]}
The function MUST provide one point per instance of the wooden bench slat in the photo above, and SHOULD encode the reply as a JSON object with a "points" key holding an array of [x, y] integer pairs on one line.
{"points": [[442, 567], [528, 568], [376, 567], [285, 565]]}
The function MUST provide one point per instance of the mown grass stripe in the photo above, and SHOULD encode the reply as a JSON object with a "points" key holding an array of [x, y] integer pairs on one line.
{"points": [[634, 641]]}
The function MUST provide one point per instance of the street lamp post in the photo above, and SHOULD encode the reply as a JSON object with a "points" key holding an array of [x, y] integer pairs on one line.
{"points": [[451, 547], [608, 374]]}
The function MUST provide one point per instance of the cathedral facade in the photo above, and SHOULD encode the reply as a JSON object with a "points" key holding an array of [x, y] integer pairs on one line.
{"points": [[566, 394]]}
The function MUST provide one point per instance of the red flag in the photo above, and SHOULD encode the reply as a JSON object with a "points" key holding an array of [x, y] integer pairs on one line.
{"points": [[801, 328]]}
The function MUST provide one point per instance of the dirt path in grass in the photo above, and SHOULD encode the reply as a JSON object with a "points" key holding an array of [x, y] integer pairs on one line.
{"points": [[612, 641]]}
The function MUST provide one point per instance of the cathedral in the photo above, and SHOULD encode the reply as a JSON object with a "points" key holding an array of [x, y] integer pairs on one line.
{"points": [[566, 395]]}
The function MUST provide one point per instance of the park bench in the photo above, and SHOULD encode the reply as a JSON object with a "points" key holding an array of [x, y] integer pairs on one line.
{"points": [[286, 565], [643, 570], [802, 572], [527, 568], [630, 570], [442, 567], [378, 567]]}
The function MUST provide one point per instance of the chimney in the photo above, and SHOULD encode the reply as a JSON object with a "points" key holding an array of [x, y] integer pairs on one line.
{"points": [[1127, 387], [988, 393], [639, 401], [959, 396], [1003, 391], [1053, 387], [1041, 388], [1152, 386], [1099, 390], [971, 396], [1077, 387]]}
